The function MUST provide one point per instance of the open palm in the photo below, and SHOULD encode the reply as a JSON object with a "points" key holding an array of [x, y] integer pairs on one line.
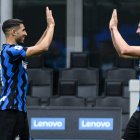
{"points": [[114, 20]]}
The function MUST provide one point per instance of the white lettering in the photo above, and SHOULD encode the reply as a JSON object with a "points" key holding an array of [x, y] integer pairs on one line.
{"points": [[47, 124], [98, 124]]}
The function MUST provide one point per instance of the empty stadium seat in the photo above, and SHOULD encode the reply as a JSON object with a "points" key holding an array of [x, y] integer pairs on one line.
{"points": [[124, 63], [67, 87], [123, 75], [79, 60], [113, 88], [41, 83], [35, 61], [87, 80]]}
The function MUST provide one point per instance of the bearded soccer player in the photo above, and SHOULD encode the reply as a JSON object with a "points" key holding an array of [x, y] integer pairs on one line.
{"points": [[123, 49], [13, 112]]}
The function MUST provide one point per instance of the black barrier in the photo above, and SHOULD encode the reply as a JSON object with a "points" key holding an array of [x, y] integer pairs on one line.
{"points": [[64, 123]]}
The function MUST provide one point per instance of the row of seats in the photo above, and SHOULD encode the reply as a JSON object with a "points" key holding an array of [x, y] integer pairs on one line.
{"points": [[83, 82], [79, 80], [79, 87], [107, 101], [81, 60], [84, 59]]}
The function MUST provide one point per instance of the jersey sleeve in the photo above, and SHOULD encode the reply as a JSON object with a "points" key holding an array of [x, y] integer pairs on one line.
{"points": [[17, 52]]}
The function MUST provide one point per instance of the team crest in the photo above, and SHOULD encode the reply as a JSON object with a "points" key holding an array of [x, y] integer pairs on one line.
{"points": [[18, 47]]}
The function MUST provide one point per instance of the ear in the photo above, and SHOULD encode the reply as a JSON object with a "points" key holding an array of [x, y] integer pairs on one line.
{"points": [[13, 32]]}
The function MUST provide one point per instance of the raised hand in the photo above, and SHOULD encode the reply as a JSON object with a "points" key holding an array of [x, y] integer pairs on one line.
{"points": [[114, 20], [49, 17]]}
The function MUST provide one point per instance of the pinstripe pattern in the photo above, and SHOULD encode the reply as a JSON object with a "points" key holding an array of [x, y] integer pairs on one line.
{"points": [[14, 78]]}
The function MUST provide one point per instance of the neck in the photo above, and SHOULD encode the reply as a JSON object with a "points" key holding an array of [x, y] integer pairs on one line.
{"points": [[10, 40]]}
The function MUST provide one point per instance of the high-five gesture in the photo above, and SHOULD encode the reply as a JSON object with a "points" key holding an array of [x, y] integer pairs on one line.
{"points": [[49, 17], [44, 42], [15, 34], [121, 46], [126, 51], [114, 20]]}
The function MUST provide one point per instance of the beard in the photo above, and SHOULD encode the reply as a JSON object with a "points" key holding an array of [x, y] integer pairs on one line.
{"points": [[20, 40]]}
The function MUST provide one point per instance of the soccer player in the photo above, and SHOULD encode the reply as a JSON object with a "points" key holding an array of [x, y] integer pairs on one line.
{"points": [[13, 112], [132, 131]]}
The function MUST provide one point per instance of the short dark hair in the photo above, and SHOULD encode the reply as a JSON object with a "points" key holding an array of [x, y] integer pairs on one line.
{"points": [[10, 23]]}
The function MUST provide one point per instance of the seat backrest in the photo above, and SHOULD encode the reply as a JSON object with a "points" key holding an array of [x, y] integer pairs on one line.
{"points": [[35, 61], [40, 76], [84, 76], [67, 87], [88, 80], [79, 60], [113, 88], [123, 74], [88, 91], [124, 63], [44, 91], [41, 82], [94, 59]]}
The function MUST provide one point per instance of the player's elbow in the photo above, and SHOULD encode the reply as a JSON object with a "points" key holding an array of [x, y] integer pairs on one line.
{"points": [[44, 47], [124, 51]]}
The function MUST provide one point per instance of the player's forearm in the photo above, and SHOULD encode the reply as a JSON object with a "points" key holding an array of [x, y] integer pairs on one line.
{"points": [[43, 45], [47, 39], [119, 43], [114, 43], [122, 48]]}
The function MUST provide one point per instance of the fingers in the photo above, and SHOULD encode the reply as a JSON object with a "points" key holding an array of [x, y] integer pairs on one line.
{"points": [[114, 20], [47, 8], [49, 17], [114, 14], [48, 12]]}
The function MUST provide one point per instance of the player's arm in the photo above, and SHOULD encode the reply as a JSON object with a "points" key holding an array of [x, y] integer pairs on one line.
{"points": [[46, 39], [122, 48]]}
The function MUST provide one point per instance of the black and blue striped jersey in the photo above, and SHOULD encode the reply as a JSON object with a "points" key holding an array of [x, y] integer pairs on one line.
{"points": [[13, 78]]}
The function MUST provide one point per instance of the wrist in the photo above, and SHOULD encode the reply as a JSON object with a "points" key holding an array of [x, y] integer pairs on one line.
{"points": [[114, 28], [51, 26]]}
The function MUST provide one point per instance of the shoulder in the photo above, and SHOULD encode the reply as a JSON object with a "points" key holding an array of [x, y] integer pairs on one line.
{"points": [[16, 49]]}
